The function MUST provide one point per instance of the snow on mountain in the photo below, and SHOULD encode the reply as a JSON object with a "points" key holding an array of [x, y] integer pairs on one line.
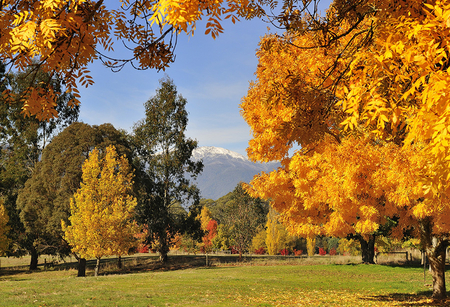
{"points": [[210, 152], [224, 169]]}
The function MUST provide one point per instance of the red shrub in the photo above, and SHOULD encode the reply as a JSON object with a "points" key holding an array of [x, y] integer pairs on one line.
{"points": [[283, 252], [297, 252], [142, 248], [322, 252], [260, 251], [332, 251]]}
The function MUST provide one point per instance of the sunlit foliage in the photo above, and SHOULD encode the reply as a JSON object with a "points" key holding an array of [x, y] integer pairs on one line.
{"points": [[4, 241], [101, 223]]}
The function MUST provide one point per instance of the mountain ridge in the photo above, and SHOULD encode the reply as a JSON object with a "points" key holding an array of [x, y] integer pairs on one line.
{"points": [[224, 169]]}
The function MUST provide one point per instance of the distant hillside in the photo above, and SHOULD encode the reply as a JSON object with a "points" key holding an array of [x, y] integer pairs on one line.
{"points": [[224, 169]]}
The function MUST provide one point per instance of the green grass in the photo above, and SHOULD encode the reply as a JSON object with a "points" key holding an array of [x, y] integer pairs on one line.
{"points": [[258, 283]]}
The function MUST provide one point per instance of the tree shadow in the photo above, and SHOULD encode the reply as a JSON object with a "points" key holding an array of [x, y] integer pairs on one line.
{"points": [[7, 274], [404, 299]]}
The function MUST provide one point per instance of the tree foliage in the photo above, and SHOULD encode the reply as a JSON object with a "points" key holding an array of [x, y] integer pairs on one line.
{"points": [[277, 237], [243, 215], [22, 141], [45, 199], [4, 228], [101, 221], [65, 36], [165, 154], [378, 69]]}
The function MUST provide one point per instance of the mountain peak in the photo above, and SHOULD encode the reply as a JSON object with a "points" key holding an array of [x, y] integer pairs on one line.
{"points": [[210, 151]]}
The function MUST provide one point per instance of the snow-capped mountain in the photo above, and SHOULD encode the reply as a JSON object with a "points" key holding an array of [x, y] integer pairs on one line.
{"points": [[224, 169], [210, 151]]}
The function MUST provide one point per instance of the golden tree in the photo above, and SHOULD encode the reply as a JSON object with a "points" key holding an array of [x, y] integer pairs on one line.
{"points": [[277, 237], [4, 228], [378, 68], [102, 209]]}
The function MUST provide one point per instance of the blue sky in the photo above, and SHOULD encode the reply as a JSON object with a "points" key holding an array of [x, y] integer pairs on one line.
{"points": [[213, 75]]}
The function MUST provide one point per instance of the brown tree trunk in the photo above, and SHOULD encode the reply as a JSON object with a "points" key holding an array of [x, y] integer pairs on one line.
{"points": [[437, 264], [34, 258], [119, 262], [367, 249], [435, 248], [163, 248], [97, 267], [81, 267], [163, 257]]}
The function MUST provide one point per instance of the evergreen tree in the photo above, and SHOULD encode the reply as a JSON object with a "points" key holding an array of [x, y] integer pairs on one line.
{"points": [[165, 156]]}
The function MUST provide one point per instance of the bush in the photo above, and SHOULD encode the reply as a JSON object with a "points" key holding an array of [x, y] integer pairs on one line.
{"points": [[332, 251], [142, 249], [298, 252], [322, 252], [260, 251], [283, 252]]}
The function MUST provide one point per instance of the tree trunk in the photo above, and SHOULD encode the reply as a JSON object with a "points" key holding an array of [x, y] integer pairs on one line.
{"points": [[436, 251], [97, 267], [81, 267], [34, 258], [367, 249], [119, 262], [163, 246], [437, 264]]}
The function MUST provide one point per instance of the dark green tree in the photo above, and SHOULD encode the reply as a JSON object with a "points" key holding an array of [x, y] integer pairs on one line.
{"points": [[22, 140], [243, 214], [165, 156], [45, 199]]}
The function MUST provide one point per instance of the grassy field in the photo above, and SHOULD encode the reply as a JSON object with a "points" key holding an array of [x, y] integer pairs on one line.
{"points": [[184, 282]]}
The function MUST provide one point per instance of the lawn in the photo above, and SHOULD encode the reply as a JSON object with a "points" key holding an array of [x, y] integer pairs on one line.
{"points": [[257, 283]]}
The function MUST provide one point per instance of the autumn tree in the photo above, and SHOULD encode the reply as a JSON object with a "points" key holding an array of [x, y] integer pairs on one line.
{"points": [[165, 155], [385, 66], [209, 227], [4, 228], [45, 199], [277, 238], [102, 209]]}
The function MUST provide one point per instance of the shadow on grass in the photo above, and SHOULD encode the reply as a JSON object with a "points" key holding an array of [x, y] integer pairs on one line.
{"points": [[6, 274], [402, 299]]}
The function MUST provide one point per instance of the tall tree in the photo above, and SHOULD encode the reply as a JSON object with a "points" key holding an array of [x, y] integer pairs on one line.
{"points": [[102, 209], [243, 215], [22, 140], [165, 155], [45, 199], [385, 67]]}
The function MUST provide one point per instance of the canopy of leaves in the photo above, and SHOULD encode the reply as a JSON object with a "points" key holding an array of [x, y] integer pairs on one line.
{"points": [[45, 199], [164, 154], [102, 209], [243, 215]]}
